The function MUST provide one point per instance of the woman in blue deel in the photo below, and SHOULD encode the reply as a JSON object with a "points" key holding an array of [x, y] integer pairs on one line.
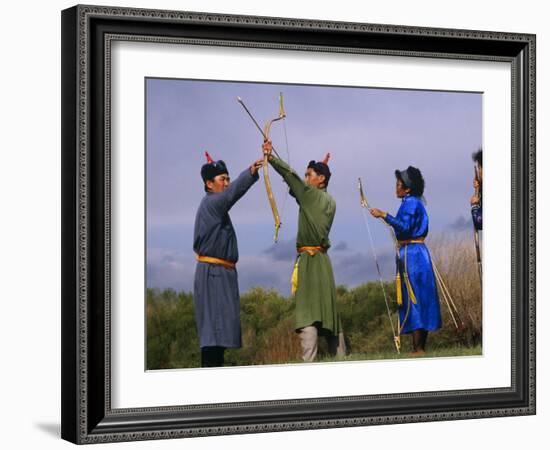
{"points": [[419, 311]]}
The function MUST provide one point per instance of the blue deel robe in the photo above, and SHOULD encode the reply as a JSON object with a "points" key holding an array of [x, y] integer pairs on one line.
{"points": [[411, 222], [477, 217], [216, 289]]}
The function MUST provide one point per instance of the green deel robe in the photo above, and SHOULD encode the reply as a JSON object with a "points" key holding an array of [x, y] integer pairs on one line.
{"points": [[316, 294]]}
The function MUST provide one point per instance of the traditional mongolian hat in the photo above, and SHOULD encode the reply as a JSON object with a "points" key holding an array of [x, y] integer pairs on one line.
{"points": [[321, 167], [477, 157], [412, 178], [212, 168]]}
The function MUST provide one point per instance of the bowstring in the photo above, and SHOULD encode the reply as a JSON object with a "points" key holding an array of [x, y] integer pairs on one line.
{"points": [[365, 219], [287, 189]]}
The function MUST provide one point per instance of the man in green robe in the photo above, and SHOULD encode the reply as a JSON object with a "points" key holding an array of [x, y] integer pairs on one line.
{"points": [[313, 279]]}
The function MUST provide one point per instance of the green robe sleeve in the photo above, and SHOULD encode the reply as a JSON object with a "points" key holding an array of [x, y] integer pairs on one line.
{"points": [[298, 187]]}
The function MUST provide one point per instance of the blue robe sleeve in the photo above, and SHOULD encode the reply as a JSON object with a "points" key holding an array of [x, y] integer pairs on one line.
{"points": [[477, 217], [225, 200], [404, 221]]}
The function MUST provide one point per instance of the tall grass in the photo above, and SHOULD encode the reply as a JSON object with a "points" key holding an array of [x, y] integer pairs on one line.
{"points": [[455, 257]]}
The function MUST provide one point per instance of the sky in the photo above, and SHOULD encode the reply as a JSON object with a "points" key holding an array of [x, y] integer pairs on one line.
{"points": [[369, 132]]}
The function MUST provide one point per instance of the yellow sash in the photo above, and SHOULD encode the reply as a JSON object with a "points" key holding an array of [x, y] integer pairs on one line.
{"points": [[294, 279], [408, 286], [218, 261], [419, 240], [312, 250]]}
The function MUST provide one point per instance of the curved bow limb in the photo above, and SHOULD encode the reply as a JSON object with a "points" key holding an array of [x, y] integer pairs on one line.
{"points": [[271, 198], [269, 191]]}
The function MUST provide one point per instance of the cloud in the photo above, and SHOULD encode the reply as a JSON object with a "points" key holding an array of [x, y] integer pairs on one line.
{"points": [[355, 268], [341, 246], [282, 250], [270, 269], [262, 270], [176, 270], [461, 223], [170, 269]]}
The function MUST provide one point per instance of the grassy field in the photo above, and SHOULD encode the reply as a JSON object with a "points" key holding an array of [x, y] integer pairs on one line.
{"points": [[448, 352]]}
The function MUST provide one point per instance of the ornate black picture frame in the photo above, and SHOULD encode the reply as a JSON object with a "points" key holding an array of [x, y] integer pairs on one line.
{"points": [[87, 414]]}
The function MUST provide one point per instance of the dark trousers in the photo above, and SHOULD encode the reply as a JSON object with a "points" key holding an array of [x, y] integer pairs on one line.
{"points": [[212, 356], [419, 338]]}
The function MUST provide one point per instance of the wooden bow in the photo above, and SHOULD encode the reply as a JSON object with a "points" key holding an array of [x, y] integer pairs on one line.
{"points": [[270, 197], [265, 133]]}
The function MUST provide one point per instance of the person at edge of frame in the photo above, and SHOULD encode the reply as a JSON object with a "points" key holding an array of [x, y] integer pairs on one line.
{"points": [[417, 297], [475, 201], [313, 285], [216, 289]]}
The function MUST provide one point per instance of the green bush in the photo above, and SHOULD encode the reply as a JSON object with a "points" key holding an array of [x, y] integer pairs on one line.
{"points": [[267, 321], [172, 339]]}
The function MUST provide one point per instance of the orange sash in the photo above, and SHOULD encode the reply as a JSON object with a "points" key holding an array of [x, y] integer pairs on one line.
{"points": [[218, 261]]}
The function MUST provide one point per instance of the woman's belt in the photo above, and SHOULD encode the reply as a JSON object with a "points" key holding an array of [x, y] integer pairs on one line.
{"points": [[410, 241], [312, 249], [218, 261]]}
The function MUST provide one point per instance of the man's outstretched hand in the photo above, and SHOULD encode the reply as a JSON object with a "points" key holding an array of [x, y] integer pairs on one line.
{"points": [[256, 166]]}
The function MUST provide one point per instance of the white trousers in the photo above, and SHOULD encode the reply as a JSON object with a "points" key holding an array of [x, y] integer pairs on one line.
{"points": [[309, 337]]}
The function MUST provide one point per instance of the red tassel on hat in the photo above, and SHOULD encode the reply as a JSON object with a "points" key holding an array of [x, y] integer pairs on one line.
{"points": [[325, 161], [209, 160]]}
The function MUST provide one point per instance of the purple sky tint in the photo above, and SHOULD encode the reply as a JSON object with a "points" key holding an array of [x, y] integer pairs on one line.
{"points": [[369, 133]]}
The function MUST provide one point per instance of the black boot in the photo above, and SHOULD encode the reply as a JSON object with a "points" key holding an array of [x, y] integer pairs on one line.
{"points": [[212, 356]]}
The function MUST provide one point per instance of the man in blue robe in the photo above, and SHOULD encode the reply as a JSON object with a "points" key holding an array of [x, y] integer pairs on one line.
{"points": [[216, 289], [419, 312], [475, 201]]}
